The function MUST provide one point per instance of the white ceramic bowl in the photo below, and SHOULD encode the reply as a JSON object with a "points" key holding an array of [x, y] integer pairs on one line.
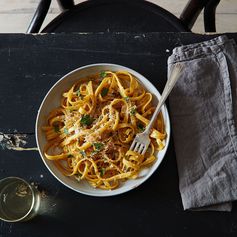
{"points": [[52, 100]]}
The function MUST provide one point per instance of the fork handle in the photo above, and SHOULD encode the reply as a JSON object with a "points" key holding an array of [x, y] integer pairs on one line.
{"points": [[175, 74]]}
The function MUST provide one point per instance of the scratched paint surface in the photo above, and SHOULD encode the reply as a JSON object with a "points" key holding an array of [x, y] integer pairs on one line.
{"points": [[12, 141]]}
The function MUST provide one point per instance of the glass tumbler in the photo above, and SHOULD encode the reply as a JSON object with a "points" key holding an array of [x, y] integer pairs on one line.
{"points": [[19, 201]]}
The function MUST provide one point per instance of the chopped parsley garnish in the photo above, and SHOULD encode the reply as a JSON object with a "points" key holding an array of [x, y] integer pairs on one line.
{"points": [[98, 146], [127, 99], [65, 130], [83, 153], [70, 156], [56, 128], [140, 127], [86, 120], [104, 91], [133, 111], [103, 74], [78, 92], [102, 171]]}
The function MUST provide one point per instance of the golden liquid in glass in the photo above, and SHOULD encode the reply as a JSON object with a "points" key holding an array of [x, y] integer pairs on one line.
{"points": [[15, 200]]}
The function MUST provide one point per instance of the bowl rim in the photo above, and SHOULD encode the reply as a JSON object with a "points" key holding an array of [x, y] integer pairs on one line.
{"points": [[138, 76]]}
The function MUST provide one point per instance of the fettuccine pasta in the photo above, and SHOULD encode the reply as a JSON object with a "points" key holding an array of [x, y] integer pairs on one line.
{"points": [[89, 135]]}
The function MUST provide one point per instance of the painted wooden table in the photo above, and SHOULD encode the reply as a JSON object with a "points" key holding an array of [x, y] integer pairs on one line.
{"points": [[29, 66]]}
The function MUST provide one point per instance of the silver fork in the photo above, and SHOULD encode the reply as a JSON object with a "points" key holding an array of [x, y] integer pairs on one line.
{"points": [[142, 140]]}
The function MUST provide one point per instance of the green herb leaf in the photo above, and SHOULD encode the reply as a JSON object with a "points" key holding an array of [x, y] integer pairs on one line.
{"points": [[127, 98], [86, 120], [78, 92], [56, 128], [104, 91], [83, 153], [133, 111], [65, 130], [103, 74], [102, 171], [140, 127], [98, 146]]}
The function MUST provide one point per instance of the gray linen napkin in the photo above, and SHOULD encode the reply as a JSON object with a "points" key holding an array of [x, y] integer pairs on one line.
{"points": [[203, 113]]}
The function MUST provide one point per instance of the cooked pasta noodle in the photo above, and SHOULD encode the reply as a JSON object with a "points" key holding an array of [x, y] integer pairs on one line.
{"points": [[89, 135]]}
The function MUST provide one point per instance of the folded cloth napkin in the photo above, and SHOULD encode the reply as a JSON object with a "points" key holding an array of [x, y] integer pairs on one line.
{"points": [[203, 113]]}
